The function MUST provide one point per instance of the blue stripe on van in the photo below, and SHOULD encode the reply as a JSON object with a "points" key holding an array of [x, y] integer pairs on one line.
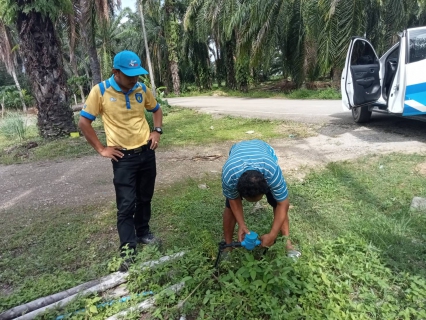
{"points": [[415, 88]]}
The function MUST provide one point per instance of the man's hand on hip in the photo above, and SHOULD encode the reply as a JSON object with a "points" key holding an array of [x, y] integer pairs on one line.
{"points": [[113, 153]]}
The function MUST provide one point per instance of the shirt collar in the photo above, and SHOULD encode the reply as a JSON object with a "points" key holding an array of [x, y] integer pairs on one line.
{"points": [[117, 87]]}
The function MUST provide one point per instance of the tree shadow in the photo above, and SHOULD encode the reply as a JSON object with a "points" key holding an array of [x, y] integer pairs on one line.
{"points": [[382, 127], [396, 231]]}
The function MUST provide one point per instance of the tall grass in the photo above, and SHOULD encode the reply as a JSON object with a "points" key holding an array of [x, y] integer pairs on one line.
{"points": [[14, 126]]}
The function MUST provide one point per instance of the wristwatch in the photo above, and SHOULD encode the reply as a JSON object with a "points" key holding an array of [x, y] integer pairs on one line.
{"points": [[158, 129]]}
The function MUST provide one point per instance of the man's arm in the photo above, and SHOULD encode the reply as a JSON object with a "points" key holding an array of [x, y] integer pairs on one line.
{"points": [[237, 210], [89, 133], [154, 136], [280, 223], [157, 117]]}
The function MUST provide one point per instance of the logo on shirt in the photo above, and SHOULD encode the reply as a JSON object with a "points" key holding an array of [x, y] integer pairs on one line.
{"points": [[112, 99], [138, 97], [133, 63]]}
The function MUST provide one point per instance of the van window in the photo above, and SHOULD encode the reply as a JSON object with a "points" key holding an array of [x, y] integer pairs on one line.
{"points": [[362, 53], [416, 45]]}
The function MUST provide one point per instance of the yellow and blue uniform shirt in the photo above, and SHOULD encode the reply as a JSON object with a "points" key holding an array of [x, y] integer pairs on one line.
{"points": [[123, 114]]}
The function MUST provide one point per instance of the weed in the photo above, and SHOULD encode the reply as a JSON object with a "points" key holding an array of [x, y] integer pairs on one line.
{"points": [[362, 250], [14, 126], [328, 93], [181, 126]]}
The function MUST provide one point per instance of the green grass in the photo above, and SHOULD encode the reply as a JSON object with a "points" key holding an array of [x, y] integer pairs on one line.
{"points": [[346, 197], [15, 150], [328, 93], [181, 127], [46, 251], [363, 249], [189, 127]]}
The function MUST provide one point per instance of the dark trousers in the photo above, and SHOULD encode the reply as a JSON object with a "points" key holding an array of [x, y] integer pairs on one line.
{"points": [[271, 200], [134, 180]]}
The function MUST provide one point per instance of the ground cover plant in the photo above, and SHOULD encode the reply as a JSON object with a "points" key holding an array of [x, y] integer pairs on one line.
{"points": [[328, 93], [363, 251], [183, 127]]}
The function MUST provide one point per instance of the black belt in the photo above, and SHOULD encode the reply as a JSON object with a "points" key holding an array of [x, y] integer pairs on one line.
{"points": [[136, 150]]}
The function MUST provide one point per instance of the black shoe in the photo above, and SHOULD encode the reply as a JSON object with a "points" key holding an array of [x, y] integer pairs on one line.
{"points": [[149, 238], [125, 265], [128, 256]]}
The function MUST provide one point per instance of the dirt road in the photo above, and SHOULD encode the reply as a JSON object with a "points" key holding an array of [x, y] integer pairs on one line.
{"points": [[89, 179]]}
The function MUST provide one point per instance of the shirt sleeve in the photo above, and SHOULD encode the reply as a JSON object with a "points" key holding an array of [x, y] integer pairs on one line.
{"points": [[93, 106], [151, 103], [229, 187], [277, 185], [229, 192]]}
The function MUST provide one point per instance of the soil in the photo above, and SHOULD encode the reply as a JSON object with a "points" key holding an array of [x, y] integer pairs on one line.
{"points": [[88, 180]]}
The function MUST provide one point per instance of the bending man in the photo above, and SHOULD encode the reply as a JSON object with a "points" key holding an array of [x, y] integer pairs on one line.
{"points": [[250, 172]]}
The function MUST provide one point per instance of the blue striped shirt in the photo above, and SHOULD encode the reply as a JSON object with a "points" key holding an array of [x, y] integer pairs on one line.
{"points": [[253, 155]]}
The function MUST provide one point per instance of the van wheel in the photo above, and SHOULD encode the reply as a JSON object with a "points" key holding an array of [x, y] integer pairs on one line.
{"points": [[361, 114]]}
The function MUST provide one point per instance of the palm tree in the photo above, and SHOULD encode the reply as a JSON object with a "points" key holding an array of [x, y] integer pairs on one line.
{"points": [[172, 34], [40, 46], [148, 56], [8, 56], [211, 19], [72, 42], [87, 31]]}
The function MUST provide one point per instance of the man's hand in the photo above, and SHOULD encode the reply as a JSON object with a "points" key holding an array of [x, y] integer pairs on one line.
{"points": [[155, 140], [242, 231], [112, 153], [267, 240]]}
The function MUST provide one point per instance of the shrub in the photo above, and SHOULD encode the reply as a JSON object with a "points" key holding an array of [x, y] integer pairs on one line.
{"points": [[340, 279], [14, 125], [11, 98]]}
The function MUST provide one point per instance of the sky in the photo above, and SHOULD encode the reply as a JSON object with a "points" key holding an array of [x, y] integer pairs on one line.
{"points": [[128, 3]]}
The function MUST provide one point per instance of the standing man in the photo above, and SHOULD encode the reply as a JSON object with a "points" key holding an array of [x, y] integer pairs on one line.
{"points": [[250, 172], [121, 101]]}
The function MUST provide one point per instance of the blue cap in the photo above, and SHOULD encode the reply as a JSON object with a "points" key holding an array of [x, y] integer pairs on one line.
{"points": [[129, 63]]}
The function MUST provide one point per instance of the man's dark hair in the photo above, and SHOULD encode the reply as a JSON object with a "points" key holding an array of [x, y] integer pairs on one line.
{"points": [[251, 184]]}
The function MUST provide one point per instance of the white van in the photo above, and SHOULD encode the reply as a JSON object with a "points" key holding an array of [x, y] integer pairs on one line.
{"points": [[394, 84]]}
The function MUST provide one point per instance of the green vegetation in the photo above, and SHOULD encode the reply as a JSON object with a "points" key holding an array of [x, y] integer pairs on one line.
{"points": [[363, 250], [9, 96], [14, 125], [327, 93], [188, 127], [183, 127], [33, 148]]}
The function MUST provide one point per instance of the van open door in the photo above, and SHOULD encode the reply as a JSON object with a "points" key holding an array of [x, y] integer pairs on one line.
{"points": [[415, 87], [360, 83]]}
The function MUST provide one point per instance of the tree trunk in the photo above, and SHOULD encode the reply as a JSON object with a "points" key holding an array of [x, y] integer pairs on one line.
{"points": [[86, 70], [2, 108], [88, 34], [335, 78], [40, 47], [172, 40], [231, 82], [148, 57], [15, 78], [73, 62]]}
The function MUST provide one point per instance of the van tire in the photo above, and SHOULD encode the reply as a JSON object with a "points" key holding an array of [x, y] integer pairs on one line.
{"points": [[361, 114]]}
